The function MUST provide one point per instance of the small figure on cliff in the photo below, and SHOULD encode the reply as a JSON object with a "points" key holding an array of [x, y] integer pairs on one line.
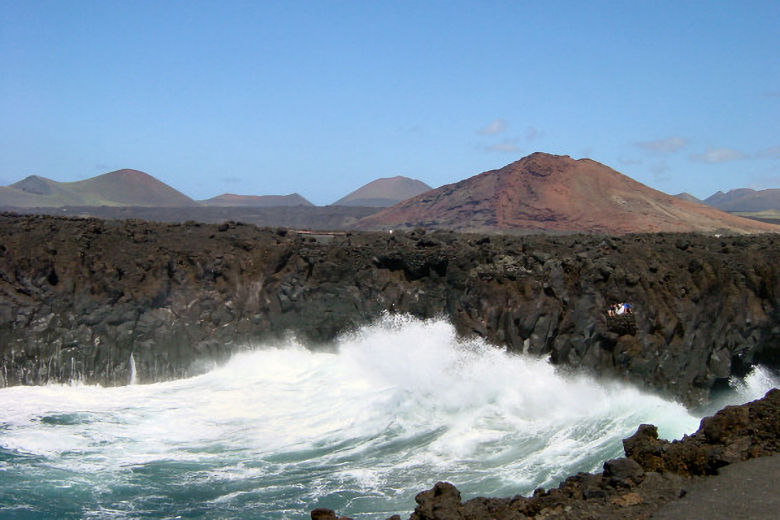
{"points": [[618, 309]]}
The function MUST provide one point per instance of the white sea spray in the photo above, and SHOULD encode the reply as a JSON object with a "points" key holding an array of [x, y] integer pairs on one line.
{"points": [[280, 430]]}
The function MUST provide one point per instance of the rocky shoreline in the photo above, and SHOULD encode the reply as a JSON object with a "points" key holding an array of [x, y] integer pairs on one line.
{"points": [[653, 473], [80, 296], [84, 299]]}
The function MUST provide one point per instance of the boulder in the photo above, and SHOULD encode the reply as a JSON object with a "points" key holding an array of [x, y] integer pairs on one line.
{"points": [[442, 502]]}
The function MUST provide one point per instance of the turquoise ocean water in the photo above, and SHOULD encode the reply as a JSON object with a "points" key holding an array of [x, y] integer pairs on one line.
{"points": [[280, 430]]}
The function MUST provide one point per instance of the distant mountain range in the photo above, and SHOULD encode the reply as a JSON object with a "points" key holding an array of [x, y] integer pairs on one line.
{"points": [[740, 200], [124, 188], [119, 188], [539, 193], [135, 188], [384, 192], [761, 205], [556, 193], [746, 199], [256, 201]]}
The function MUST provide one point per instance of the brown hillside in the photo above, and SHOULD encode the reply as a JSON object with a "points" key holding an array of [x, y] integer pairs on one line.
{"points": [[745, 199], [256, 201], [384, 192], [37, 191], [118, 188], [130, 188], [557, 193]]}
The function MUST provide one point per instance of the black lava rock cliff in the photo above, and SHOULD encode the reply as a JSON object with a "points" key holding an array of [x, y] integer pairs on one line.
{"points": [[79, 296]]}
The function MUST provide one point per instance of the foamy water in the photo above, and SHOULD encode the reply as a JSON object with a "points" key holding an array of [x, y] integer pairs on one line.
{"points": [[281, 430]]}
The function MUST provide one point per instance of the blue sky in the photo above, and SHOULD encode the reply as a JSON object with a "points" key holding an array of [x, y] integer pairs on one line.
{"points": [[321, 97]]}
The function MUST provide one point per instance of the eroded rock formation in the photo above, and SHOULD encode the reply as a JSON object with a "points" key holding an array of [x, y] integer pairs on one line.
{"points": [[79, 296]]}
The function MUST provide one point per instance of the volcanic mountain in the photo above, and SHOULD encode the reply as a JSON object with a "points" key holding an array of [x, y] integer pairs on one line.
{"points": [[118, 188], [384, 192], [687, 196], [745, 199], [256, 201], [556, 193]]}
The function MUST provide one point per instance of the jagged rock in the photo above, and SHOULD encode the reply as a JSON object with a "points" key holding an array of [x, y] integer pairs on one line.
{"points": [[733, 434], [653, 473], [623, 472], [442, 502], [623, 324], [645, 448], [78, 296], [326, 514]]}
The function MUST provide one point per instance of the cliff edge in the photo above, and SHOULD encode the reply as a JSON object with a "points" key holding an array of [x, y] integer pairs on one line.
{"points": [[80, 296]]}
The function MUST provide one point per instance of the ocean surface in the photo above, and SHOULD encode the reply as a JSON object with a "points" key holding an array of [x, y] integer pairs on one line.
{"points": [[280, 430]]}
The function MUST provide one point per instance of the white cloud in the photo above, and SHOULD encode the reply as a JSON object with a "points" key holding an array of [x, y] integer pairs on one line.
{"points": [[717, 155], [493, 128], [667, 145], [533, 133], [629, 161], [769, 153], [505, 146]]}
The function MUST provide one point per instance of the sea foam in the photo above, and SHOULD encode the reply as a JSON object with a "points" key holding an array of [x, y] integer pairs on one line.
{"points": [[279, 430]]}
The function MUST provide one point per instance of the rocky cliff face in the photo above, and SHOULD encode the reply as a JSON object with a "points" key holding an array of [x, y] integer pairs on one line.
{"points": [[80, 296]]}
